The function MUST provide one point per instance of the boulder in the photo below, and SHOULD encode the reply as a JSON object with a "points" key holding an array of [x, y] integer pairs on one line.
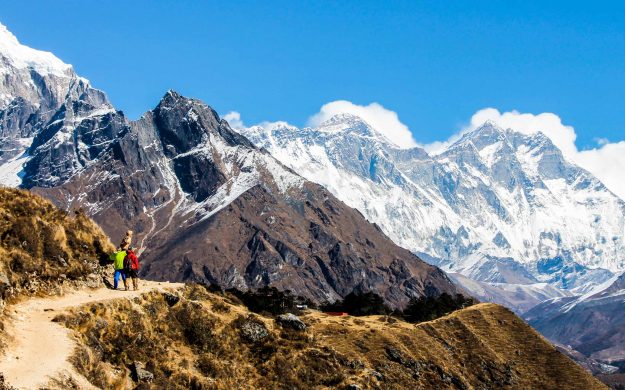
{"points": [[171, 299], [291, 321], [141, 374], [252, 330], [4, 280]]}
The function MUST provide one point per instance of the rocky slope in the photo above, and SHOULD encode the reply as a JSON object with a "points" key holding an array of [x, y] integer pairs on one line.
{"points": [[203, 340], [501, 208], [45, 251]]}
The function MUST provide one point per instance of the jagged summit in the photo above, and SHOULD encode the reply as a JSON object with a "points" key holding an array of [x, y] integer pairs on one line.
{"points": [[489, 126], [346, 123]]}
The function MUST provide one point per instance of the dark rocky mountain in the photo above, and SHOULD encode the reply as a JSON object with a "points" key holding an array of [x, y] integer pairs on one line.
{"points": [[210, 207], [42, 101]]}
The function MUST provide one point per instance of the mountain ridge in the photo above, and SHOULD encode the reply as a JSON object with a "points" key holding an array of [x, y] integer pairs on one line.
{"points": [[512, 200]]}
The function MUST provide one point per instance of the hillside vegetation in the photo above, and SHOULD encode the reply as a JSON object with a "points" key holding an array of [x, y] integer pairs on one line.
{"points": [[199, 340], [43, 249]]}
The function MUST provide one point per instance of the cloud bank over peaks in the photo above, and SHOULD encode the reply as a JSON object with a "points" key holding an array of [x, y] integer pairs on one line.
{"points": [[606, 161], [383, 120], [234, 120]]}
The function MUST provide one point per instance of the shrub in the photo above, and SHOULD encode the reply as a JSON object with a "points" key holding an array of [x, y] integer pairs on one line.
{"points": [[197, 326], [429, 308], [359, 304], [270, 300]]}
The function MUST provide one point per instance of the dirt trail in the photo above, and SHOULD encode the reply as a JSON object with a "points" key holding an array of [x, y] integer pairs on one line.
{"points": [[40, 348]]}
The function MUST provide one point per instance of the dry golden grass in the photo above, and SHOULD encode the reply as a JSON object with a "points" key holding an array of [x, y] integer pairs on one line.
{"points": [[198, 343], [42, 246], [45, 251]]}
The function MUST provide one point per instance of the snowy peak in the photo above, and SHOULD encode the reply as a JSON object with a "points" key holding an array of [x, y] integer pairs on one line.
{"points": [[490, 133], [188, 123], [21, 56], [484, 136], [343, 122], [490, 146], [488, 129], [349, 124]]}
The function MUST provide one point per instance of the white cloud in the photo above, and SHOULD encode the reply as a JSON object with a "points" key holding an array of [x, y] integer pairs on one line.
{"points": [[606, 162], [381, 119], [550, 124], [234, 120]]}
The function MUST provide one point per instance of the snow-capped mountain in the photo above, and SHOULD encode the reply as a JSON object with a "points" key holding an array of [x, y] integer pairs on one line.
{"points": [[205, 203], [41, 101], [497, 206]]}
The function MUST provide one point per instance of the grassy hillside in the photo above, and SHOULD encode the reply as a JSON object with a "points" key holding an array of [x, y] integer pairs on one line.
{"points": [[199, 340], [43, 249]]}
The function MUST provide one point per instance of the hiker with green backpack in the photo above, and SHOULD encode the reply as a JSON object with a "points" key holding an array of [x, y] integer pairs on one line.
{"points": [[118, 258]]}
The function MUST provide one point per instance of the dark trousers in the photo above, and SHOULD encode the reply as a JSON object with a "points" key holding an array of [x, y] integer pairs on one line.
{"points": [[132, 273]]}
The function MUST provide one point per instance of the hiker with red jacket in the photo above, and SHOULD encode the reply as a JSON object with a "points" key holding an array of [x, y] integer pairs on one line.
{"points": [[132, 266]]}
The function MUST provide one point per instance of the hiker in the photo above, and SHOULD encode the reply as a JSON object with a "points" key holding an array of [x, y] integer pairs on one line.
{"points": [[126, 241], [118, 258], [132, 267]]}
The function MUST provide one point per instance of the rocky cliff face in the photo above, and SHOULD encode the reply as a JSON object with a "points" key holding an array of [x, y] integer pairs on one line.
{"points": [[42, 101], [210, 207]]}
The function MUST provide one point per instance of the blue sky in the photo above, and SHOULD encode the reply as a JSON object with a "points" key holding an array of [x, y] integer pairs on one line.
{"points": [[434, 63]]}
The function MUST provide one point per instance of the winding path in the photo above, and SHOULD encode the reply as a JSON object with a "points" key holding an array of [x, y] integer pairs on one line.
{"points": [[40, 349]]}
